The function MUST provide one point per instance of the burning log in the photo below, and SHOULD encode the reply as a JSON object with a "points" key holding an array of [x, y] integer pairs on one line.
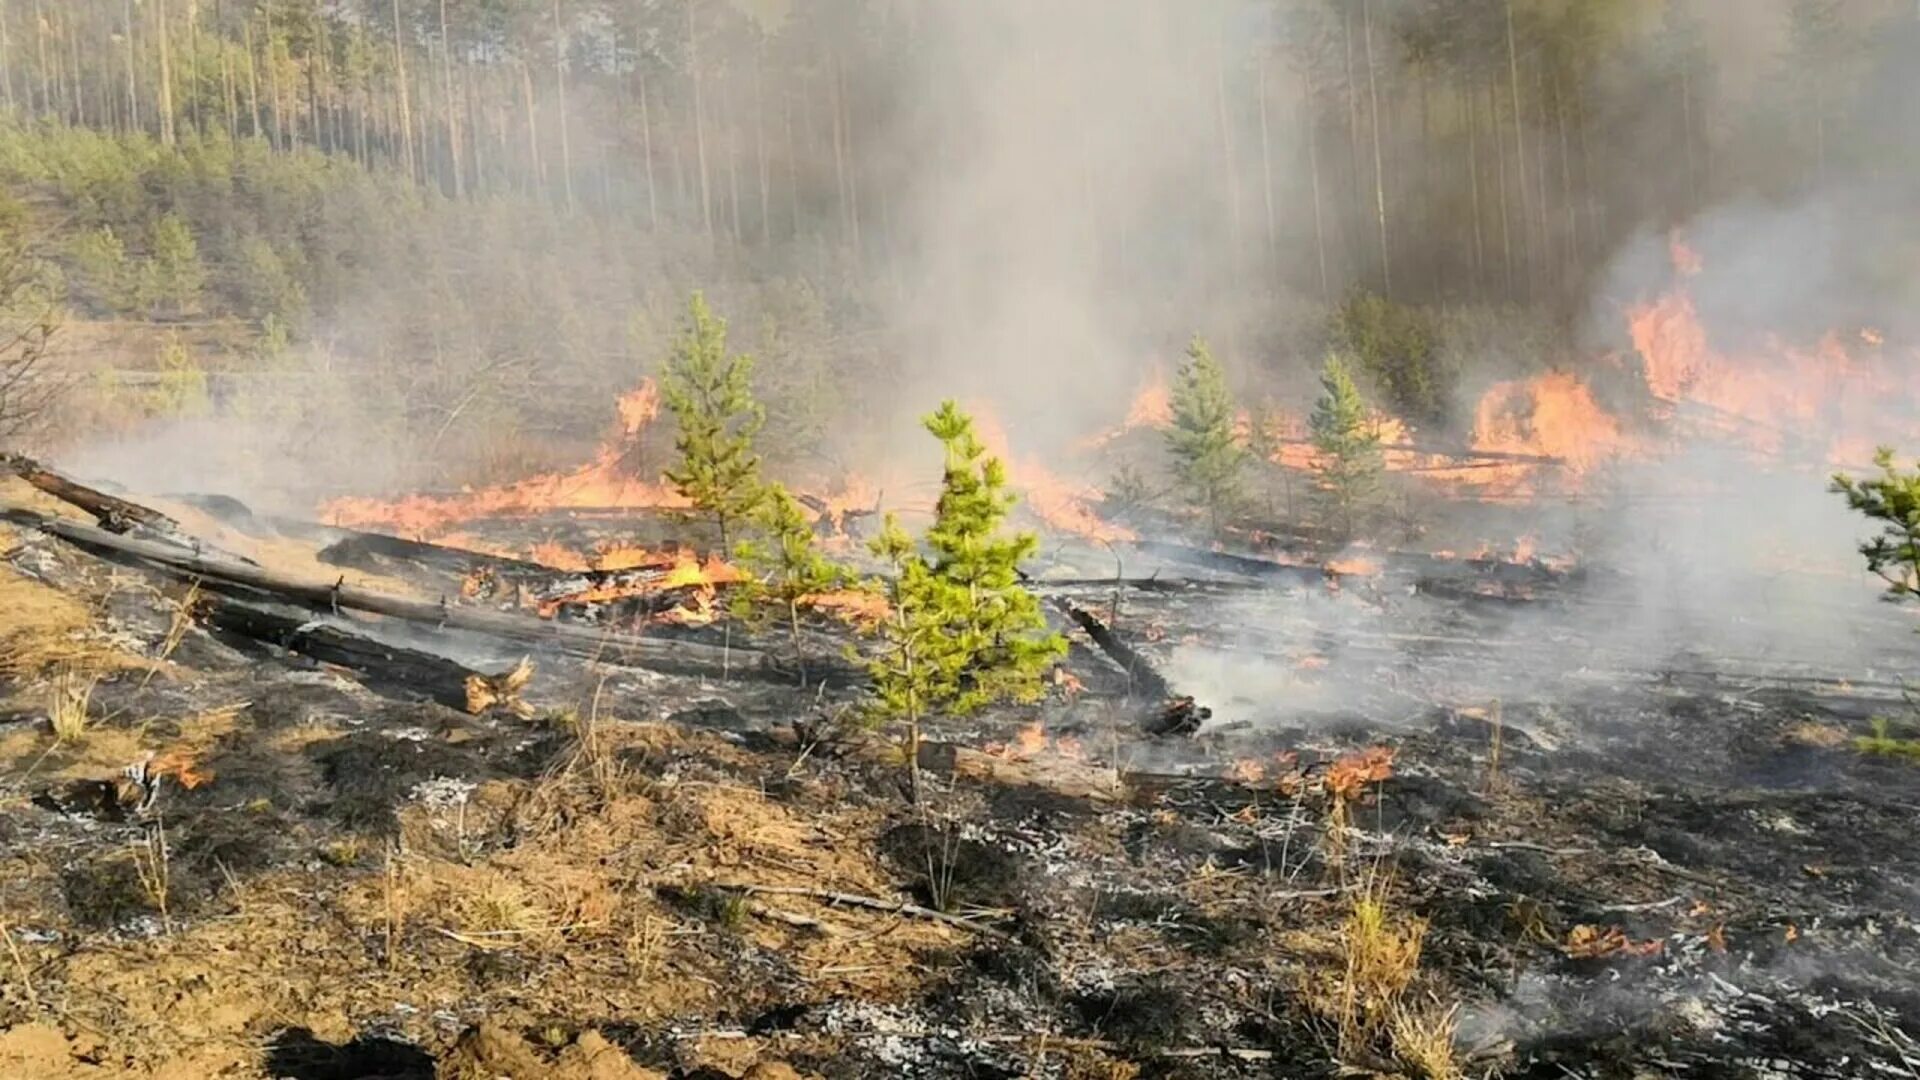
{"points": [[670, 656], [1141, 677], [1178, 716], [380, 554]]}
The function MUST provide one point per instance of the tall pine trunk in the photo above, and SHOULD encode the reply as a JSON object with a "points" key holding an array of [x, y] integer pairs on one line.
{"points": [[453, 114], [560, 84], [400, 86], [1379, 172]]}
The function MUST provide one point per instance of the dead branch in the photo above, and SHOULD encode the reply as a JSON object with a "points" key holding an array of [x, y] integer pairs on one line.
{"points": [[870, 903]]}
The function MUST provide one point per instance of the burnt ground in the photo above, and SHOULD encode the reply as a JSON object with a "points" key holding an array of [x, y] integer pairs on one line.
{"points": [[1669, 873]]}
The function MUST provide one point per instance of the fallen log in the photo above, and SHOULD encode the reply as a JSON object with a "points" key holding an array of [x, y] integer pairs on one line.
{"points": [[115, 515], [390, 669], [1142, 679], [680, 657]]}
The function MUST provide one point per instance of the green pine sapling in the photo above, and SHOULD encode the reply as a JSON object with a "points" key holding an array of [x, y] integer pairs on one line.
{"points": [[1206, 456], [788, 567], [963, 633], [711, 395], [1349, 462]]}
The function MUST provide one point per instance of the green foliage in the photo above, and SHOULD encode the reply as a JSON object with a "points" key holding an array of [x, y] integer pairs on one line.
{"points": [[1398, 348], [1893, 500], [963, 632], [181, 389], [263, 287], [1882, 742], [1206, 457], [787, 563], [711, 395], [172, 277], [1263, 446], [1349, 462], [101, 277]]}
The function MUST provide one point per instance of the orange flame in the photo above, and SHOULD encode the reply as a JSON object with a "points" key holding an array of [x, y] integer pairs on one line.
{"points": [[607, 481], [1061, 504]]}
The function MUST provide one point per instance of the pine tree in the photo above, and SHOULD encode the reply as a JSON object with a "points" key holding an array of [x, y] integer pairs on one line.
{"points": [[1349, 463], [790, 566], [173, 276], [1206, 457], [963, 633], [1263, 446], [1893, 499], [711, 395]]}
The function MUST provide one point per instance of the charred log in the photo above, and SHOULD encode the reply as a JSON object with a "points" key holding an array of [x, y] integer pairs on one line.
{"points": [[680, 657], [389, 669], [1179, 716], [1142, 679]]}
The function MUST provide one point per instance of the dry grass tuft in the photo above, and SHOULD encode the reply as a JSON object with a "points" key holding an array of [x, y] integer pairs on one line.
{"points": [[1382, 952], [1423, 1040], [67, 704]]}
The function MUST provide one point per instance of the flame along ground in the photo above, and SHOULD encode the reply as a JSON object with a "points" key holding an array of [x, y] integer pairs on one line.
{"points": [[1544, 434]]}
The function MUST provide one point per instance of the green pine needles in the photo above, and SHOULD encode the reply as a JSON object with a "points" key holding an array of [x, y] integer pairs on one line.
{"points": [[1207, 458], [788, 567], [1349, 463], [1893, 500], [963, 633], [711, 395]]}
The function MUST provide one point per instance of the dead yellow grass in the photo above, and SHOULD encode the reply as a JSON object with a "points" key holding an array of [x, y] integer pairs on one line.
{"points": [[1423, 1040]]}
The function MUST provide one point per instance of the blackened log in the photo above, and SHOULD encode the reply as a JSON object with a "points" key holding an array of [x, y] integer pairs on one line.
{"points": [[1179, 716], [1265, 569], [661, 655], [114, 514], [388, 669], [1142, 679]]}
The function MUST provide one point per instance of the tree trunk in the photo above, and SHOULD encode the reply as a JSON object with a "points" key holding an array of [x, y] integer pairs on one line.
{"points": [[253, 79], [730, 131], [699, 123], [1473, 188], [560, 83], [166, 75], [453, 115], [1313, 169], [1228, 170], [1519, 146], [760, 149], [6, 57], [406, 105], [537, 176], [1500, 177], [40, 52], [646, 150], [1266, 168], [1379, 173]]}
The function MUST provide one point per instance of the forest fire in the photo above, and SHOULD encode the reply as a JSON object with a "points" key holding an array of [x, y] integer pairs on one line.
{"points": [[606, 481], [679, 573]]}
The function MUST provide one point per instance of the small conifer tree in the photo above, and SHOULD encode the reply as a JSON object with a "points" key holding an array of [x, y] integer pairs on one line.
{"points": [[1206, 457], [1263, 446], [790, 566], [1893, 500], [172, 276], [963, 632], [1349, 462], [711, 395]]}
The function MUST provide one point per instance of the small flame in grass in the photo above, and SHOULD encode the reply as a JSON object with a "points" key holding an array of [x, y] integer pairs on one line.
{"points": [[607, 481], [1032, 741], [182, 766]]}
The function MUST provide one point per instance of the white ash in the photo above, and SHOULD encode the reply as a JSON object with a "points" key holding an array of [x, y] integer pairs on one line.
{"points": [[442, 792]]}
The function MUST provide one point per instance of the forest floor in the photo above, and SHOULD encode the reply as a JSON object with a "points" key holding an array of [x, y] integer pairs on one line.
{"points": [[665, 876]]}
